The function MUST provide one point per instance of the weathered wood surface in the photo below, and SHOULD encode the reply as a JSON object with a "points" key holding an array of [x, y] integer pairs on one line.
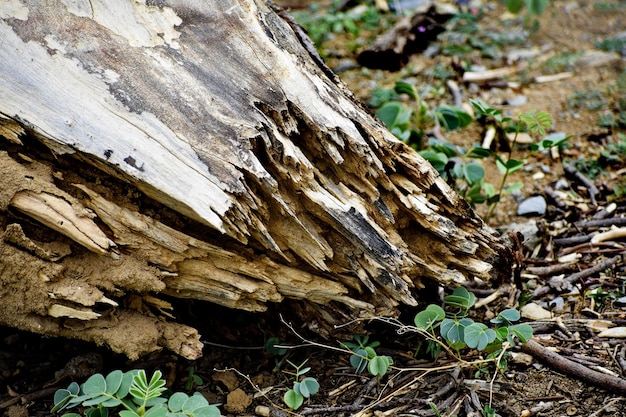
{"points": [[200, 149]]}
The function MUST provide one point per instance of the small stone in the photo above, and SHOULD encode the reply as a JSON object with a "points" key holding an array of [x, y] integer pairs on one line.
{"points": [[532, 206], [617, 332], [621, 301], [517, 101], [529, 230], [522, 358], [557, 304], [533, 311], [237, 401]]}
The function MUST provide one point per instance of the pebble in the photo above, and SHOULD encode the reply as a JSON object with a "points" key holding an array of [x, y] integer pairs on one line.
{"points": [[517, 101], [533, 311], [532, 206], [530, 232]]}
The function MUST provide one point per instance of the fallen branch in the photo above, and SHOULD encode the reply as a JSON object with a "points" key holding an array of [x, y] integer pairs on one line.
{"points": [[578, 176], [579, 275], [558, 362]]}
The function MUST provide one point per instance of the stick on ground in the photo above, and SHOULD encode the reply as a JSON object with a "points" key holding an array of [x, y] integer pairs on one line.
{"points": [[558, 362]]}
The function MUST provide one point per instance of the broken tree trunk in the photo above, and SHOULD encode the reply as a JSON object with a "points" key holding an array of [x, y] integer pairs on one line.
{"points": [[201, 149]]}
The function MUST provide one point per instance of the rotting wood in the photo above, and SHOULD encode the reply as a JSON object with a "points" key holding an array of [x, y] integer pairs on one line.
{"points": [[199, 150]]}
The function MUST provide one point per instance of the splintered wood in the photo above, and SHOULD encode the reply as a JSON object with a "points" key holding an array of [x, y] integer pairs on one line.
{"points": [[281, 185]]}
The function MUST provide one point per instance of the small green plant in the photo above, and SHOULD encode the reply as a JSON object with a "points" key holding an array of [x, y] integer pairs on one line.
{"points": [[364, 356], [134, 394], [302, 387], [534, 123], [534, 9], [410, 125], [321, 23], [459, 331], [193, 379]]}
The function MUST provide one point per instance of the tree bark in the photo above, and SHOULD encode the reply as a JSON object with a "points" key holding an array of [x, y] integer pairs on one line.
{"points": [[201, 149]]}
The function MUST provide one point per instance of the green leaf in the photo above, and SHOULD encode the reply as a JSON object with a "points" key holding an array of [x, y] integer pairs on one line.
{"points": [[270, 347], [381, 96], [95, 385], [176, 401], [96, 400], [71, 415], [460, 298], [437, 159], [523, 331], [514, 6], [513, 187], [427, 319], [454, 330], [127, 380], [394, 114], [208, 411], [307, 387], [536, 7], [406, 88], [482, 107], [194, 402], [474, 173], [359, 360], [111, 402], [478, 336], [507, 316], [157, 411], [452, 118], [379, 365], [293, 399], [113, 381], [61, 398], [537, 121], [128, 413], [479, 153]]}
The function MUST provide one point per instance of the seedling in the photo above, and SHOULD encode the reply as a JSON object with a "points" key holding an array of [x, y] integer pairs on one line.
{"points": [[365, 356], [193, 379], [133, 394], [302, 388]]}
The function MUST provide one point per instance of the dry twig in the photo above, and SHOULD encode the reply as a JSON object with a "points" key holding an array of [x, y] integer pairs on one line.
{"points": [[569, 367]]}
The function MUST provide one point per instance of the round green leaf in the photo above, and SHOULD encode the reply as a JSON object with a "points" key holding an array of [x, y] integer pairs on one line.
{"points": [[474, 173], [176, 401], [293, 399], [460, 298], [359, 360], [127, 380], [427, 319], [379, 365], [310, 386], [113, 381], [95, 385], [208, 411], [523, 331], [194, 402], [510, 315], [157, 411], [478, 336], [61, 397]]}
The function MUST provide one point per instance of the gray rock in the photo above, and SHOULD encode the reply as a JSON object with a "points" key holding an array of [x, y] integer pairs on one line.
{"points": [[529, 230], [532, 206]]}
